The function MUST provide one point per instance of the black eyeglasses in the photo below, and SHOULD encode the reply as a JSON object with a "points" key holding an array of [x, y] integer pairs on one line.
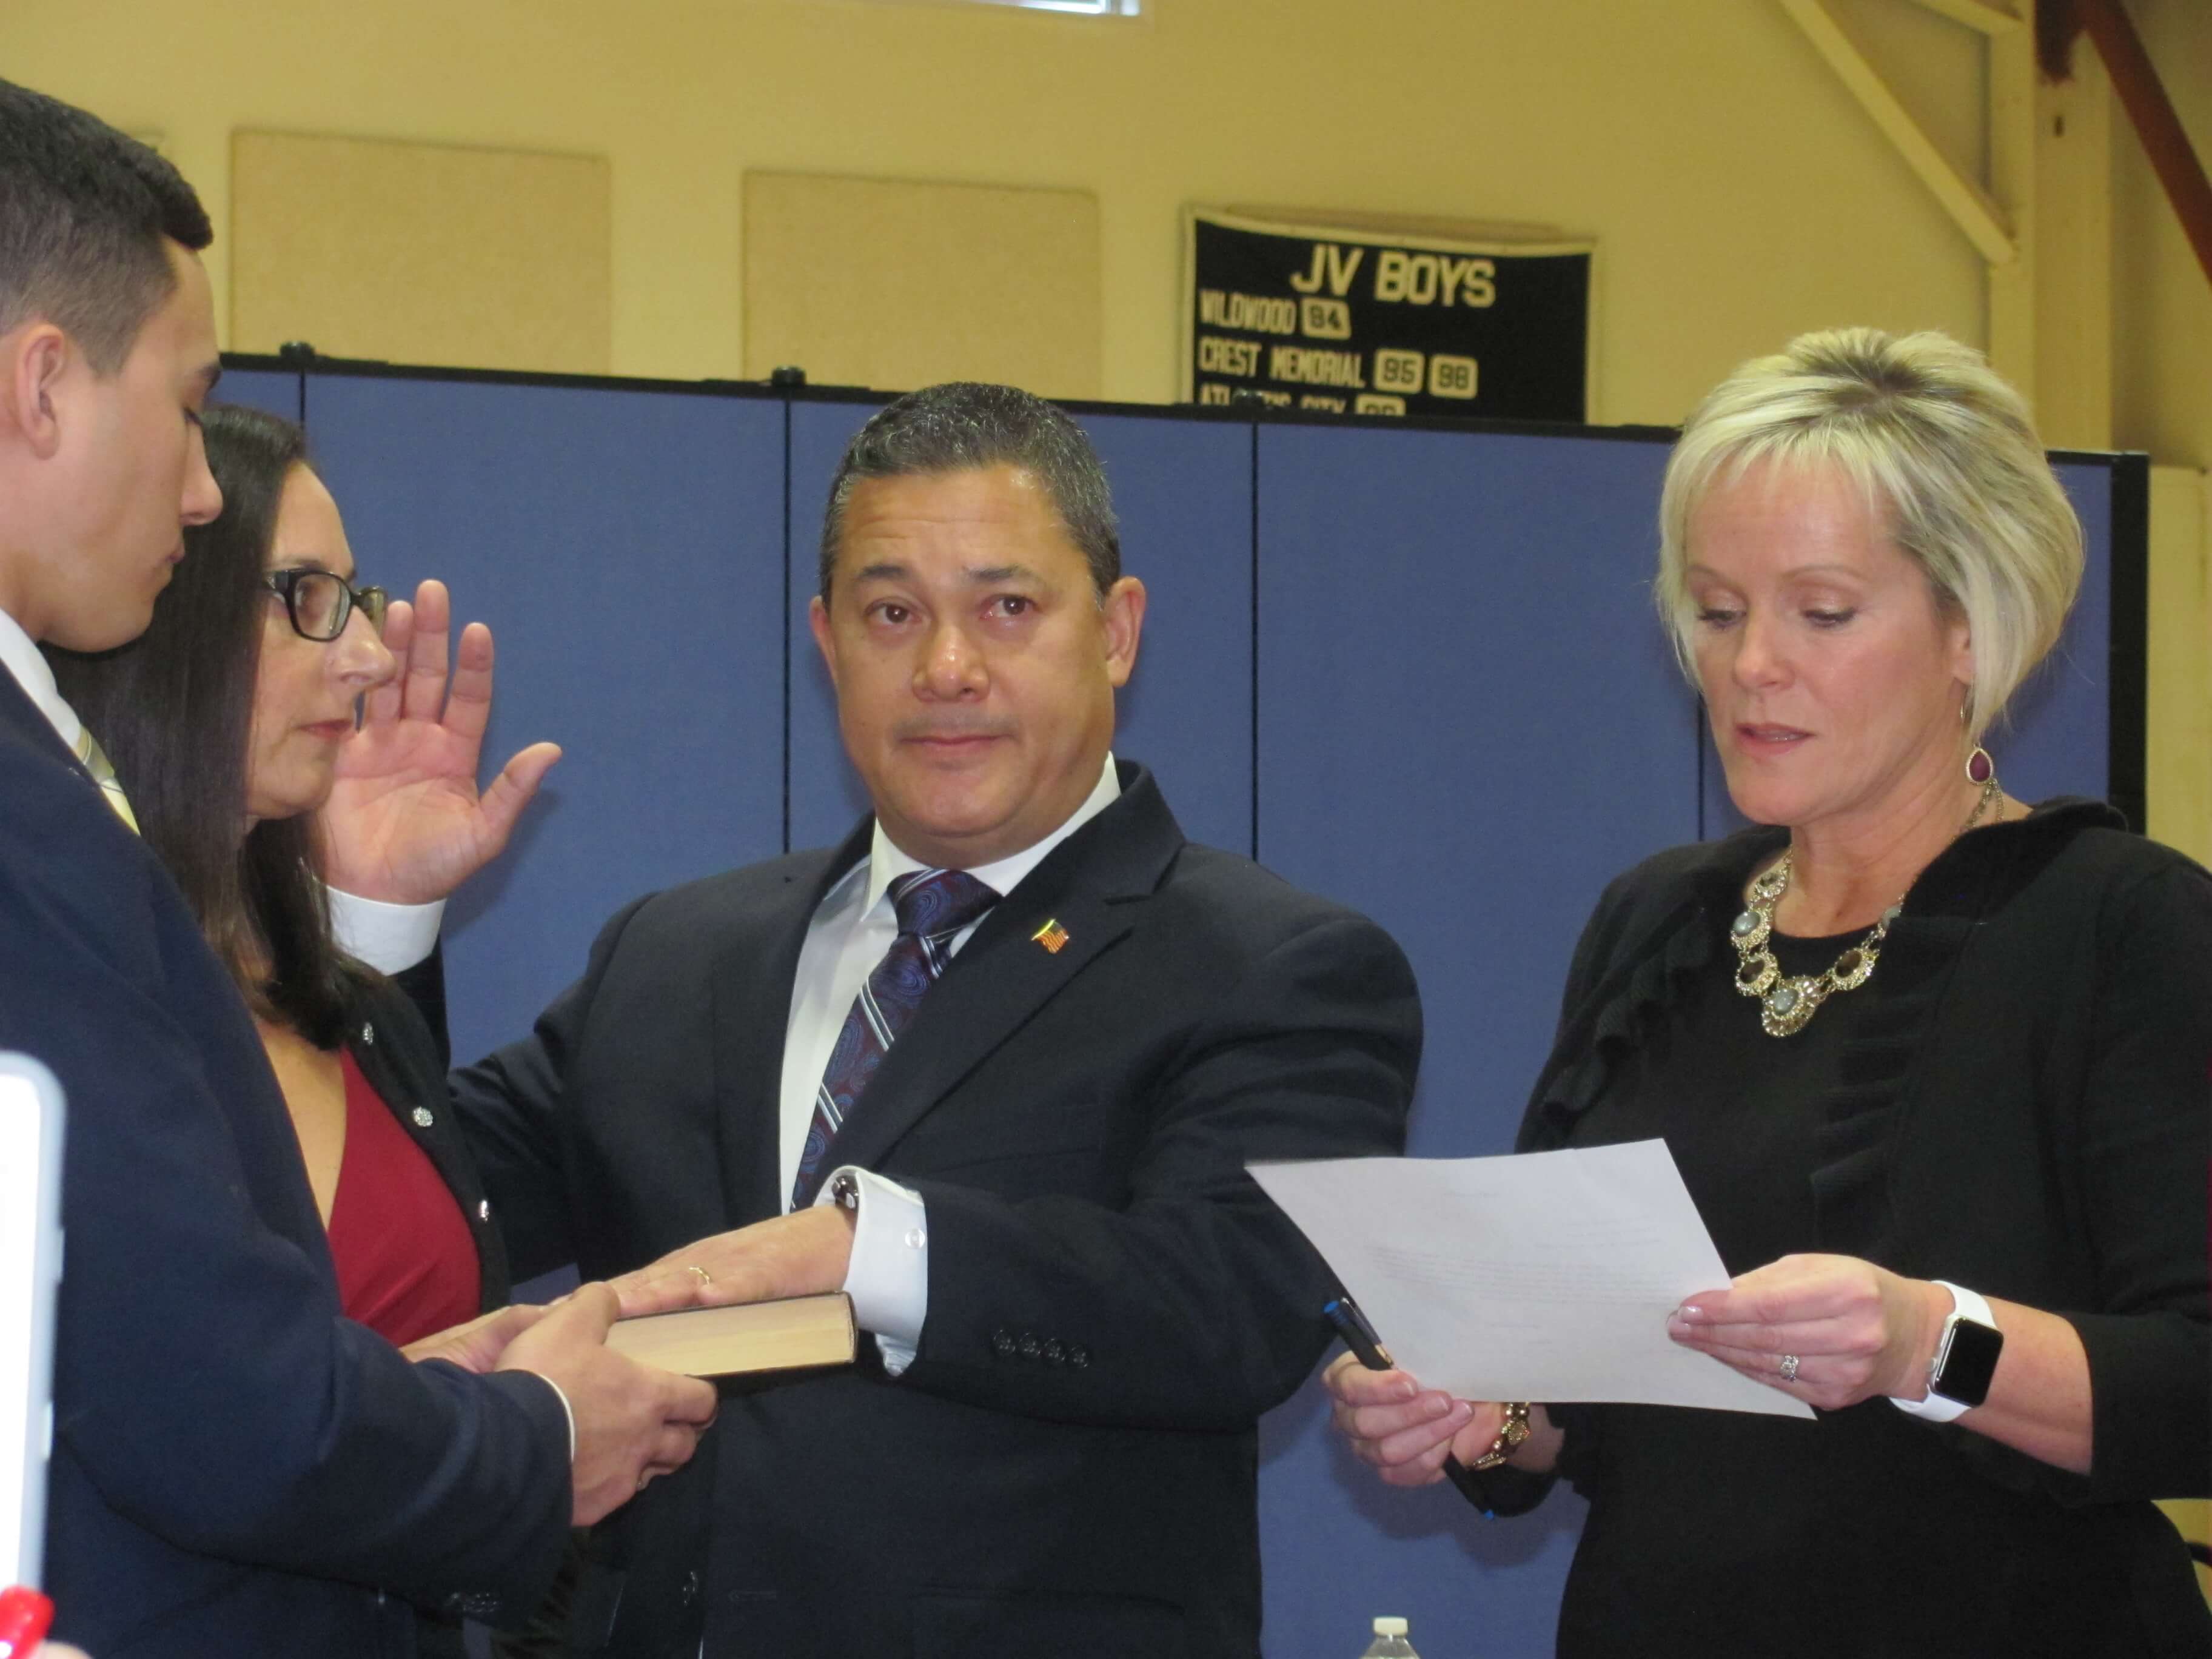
{"points": [[320, 602]]}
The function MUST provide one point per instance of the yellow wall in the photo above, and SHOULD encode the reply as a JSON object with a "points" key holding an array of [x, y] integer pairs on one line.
{"points": [[2162, 298], [2162, 402], [1737, 194]]}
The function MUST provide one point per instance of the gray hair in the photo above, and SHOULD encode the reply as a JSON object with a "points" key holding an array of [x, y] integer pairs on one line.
{"points": [[963, 425], [1942, 447]]}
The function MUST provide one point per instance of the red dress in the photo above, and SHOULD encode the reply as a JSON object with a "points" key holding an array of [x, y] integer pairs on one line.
{"points": [[407, 1264]]}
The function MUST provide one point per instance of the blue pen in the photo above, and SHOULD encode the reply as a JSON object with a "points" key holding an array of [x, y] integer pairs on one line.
{"points": [[1367, 1348]]}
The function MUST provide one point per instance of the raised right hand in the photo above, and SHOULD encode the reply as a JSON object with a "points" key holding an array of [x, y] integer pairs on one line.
{"points": [[633, 1422], [1404, 1430]]}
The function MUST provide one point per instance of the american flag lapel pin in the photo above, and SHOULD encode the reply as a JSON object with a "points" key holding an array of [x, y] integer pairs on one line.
{"points": [[1051, 936]]}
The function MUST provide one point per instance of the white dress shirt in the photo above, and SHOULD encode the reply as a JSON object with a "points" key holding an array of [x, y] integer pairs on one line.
{"points": [[889, 1277], [388, 937], [20, 656]]}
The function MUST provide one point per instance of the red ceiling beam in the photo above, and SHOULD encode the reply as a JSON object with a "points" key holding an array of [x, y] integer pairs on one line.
{"points": [[2164, 139]]}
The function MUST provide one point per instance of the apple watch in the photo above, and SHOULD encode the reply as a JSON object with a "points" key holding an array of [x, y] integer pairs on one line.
{"points": [[1965, 1360]]}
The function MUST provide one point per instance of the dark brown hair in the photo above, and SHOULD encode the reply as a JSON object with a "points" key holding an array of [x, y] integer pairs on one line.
{"points": [[174, 710], [84, 211], [966, 424]]}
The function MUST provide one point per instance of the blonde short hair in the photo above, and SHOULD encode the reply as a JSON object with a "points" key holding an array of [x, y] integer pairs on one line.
{"points": [[1942, 447]]}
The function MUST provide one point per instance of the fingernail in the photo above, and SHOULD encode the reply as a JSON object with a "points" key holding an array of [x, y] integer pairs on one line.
{"points": [[1687, 1313]]}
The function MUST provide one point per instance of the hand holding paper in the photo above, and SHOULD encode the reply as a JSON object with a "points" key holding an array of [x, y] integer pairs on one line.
{"points": [[1550, 1276], [1856, 1330]]}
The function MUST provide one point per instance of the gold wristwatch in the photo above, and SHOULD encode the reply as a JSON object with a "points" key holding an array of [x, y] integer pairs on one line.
{"points": [[1509, 1437]]}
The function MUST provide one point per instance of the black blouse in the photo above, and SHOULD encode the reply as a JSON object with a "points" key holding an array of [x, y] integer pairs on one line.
{"points": [[2017, 1101]]}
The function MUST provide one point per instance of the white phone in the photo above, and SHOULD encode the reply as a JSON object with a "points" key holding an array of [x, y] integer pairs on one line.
{"points": [[30, 1273]]}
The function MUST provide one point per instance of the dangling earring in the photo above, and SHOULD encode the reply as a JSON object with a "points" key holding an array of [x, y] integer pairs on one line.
{"points": [[1980, 768]]}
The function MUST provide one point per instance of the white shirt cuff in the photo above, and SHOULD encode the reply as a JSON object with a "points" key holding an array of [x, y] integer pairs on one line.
{"points": [[888, 1277], [388, 937], [567, 1411]]}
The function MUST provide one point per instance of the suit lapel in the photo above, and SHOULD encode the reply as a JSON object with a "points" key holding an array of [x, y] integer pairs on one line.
{"points": [[1094, 885], [30, 723], [753, 977]]}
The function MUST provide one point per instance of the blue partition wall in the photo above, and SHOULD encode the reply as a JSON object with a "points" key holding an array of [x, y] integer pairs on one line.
{"points": [[276, 391], [1415, 669], [1467, 723], [626, 548]]}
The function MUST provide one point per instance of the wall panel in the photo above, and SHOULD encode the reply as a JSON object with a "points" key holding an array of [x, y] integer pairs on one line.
{"points": [[625, 548], [276, 391], [1468, 723]]}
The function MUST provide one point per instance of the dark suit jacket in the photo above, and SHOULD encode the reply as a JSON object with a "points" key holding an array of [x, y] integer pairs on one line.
{"points": [[237, 1468], [1068, 1466]]}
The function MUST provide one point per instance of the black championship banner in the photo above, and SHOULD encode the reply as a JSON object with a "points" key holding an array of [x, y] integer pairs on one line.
{"points": [[1364, 322]]}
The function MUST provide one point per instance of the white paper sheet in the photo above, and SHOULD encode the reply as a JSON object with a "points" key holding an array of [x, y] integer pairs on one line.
{"points": [[1546, 1276]]}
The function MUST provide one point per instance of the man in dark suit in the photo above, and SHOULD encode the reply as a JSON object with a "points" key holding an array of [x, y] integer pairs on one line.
{"points": [[1008, 1109], [236, 1468]]}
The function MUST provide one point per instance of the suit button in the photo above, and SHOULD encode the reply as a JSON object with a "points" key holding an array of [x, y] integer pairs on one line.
{"points": [[1030, 1346], [1078, 1356], [1055, 1352], [1002, 1344]]}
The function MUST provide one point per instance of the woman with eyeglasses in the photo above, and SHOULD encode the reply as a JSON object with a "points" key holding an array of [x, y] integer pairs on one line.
{"points": [[229, 723]]}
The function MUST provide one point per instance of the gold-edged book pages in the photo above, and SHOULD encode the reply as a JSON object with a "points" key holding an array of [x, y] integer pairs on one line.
{"points": [[754, 1336]]}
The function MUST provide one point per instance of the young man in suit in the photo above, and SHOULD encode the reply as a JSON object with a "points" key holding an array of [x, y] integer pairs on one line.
{"points": [[994, 1066], [236, 1468]]}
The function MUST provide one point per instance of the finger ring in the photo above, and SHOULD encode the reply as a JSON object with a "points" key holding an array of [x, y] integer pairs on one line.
{"points": [[705, 1278], [1789, 1368]]}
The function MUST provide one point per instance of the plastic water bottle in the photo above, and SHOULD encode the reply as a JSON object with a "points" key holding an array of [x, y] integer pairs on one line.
{"points": [[1389, 1641]]}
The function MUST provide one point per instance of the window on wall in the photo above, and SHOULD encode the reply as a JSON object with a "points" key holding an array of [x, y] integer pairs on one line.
{"points": [[1087, 8], [1077, 7]]}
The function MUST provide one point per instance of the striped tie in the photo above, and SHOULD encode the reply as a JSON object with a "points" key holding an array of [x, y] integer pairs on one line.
{"points": [[103, 774], [933, 906]]}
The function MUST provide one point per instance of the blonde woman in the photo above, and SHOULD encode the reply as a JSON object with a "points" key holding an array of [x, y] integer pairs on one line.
{"points": [[1936, 1065]]}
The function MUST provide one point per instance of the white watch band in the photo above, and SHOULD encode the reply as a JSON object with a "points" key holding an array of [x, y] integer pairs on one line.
{"points": [[1965, 1304]]}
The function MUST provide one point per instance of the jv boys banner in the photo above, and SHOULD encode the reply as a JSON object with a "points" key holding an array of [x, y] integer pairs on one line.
{"points": [[1365, 323]]}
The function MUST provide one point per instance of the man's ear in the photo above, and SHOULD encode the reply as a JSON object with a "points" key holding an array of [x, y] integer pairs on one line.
{"points": [[34, 359], [1122, 613], [817, 619]]}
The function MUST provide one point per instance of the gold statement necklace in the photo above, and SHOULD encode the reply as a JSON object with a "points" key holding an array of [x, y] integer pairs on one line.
{"points": [[1786, 1006]]}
